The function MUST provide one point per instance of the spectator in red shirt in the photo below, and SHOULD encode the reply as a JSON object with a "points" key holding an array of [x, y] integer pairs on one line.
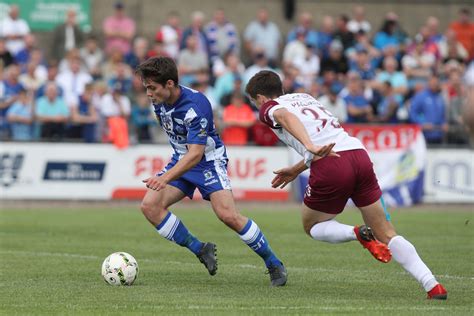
{"points": [[464, 30], [237, 118]]}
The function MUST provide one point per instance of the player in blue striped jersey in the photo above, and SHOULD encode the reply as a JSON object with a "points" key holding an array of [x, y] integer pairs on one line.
{"points": [[199, 161]]}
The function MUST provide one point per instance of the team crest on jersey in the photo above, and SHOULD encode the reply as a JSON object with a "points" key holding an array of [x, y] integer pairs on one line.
{"points": [[167, 123], [307, 192], [203, 122]]}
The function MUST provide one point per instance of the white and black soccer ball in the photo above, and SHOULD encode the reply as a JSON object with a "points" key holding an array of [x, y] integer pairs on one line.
{"points": [[120, 268]]}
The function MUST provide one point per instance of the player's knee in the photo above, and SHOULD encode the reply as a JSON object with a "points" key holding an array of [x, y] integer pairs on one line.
{"points": [[229, 217], [151, 210]]}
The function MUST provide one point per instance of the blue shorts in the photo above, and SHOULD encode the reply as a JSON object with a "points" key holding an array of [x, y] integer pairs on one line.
{"points": [[207, 177]]}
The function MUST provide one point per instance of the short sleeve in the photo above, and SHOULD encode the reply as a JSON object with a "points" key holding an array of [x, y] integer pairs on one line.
{"points": [[198, 127], [266, 113]]}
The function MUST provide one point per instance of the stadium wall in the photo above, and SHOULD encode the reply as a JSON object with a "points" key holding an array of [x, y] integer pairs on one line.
{"points": [[149, 14]]}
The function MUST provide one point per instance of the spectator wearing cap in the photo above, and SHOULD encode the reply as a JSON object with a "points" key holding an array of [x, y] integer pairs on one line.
{"points": [[305, 24], [359, 22], [335, 104], [14, 29], [265, 34], [169, 35], [20, 117], [464, 30], [336, 61], [363, 64], [67, 36], [363, 42], [119, 30], [428, 109], [197, 29], [260, 62]]}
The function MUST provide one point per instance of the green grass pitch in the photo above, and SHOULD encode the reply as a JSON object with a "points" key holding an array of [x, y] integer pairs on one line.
{"points": [[51, 260]]}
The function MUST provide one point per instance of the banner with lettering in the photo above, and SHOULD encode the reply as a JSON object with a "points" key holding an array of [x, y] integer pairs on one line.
{"points": [[102, 172], [398, 153], [45, 15]]}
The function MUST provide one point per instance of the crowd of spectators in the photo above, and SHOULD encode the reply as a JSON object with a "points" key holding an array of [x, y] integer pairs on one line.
{"points": [[86, 89]]}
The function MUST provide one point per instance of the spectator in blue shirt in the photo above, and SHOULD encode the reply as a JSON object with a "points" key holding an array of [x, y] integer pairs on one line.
{"points": [[143, 118], [386, 36], [428, 110], [359, 109], [84, 117], [388, 106], [53, 113], [305, 25], [20, 117]]}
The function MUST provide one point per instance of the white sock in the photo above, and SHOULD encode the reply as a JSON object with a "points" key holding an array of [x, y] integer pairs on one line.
{"points": [[332, 231], [405, 254]]}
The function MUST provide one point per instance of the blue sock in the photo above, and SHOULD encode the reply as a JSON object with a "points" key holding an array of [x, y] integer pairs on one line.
{"points": [[173, 229], [255, 239]]}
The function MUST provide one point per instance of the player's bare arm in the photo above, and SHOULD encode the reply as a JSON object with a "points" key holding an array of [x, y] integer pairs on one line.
{"points": [[286, 175], [292, 124], [189, 160]]}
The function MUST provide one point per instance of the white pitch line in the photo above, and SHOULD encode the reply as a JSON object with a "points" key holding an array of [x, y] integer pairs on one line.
{"points": [[243, 266]]}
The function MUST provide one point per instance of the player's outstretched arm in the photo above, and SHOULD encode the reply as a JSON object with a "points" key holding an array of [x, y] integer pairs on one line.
{"points": [[286, 175], [189, 160], [293, 125]]}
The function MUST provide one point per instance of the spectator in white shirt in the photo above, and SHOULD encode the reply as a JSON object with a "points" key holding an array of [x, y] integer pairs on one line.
{"points": [[265, 34], [115, 103], [358, 21], [14, 30], [73, 81]]}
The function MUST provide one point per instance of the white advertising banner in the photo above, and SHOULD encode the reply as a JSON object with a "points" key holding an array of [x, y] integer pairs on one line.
{"points": [[450, 176], [102, 172]]}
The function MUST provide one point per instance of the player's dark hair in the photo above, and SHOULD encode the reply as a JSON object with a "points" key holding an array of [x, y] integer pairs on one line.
{"points": [[266, 83], [159, 70]]}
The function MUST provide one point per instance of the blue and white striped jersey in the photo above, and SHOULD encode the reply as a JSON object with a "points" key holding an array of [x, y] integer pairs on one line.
{"points": [[190, 121]]}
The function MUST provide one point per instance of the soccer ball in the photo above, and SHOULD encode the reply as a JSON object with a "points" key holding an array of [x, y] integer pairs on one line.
{"points": [[120, 268]]}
